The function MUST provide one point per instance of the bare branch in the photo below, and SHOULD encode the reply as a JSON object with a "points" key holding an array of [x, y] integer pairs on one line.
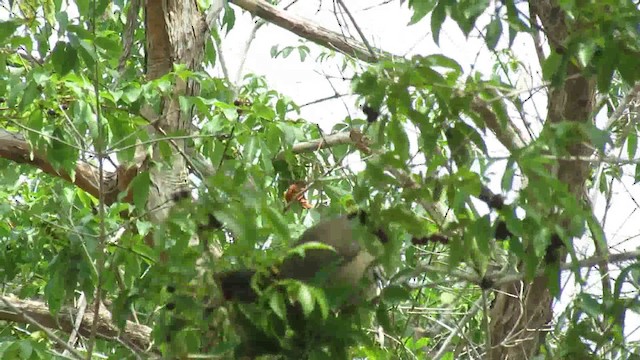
{"points": [[617, 113], [311, 31], [444, 347], [340, 138], [212, 14], [355, 24]]}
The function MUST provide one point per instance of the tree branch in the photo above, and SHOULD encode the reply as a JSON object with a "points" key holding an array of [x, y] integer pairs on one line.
{"points": [[76, 354], [311, 31], [135, 336], [14, 147], [508, 135], [327, 141]]}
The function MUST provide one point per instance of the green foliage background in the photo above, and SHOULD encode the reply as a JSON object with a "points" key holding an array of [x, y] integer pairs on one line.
{"points": [[75, 103]]}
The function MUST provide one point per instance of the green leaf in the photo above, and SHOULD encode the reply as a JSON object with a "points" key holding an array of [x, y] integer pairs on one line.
{"points": [[399, 139], [61, 155], [303, 51], [585, 53], [102, 6], [25, 349], [210, 54], [83, 7], [144, 227], [287, 51], [36, 121], [622, 278], [54, 290], [305, 297], [598, 137], [7, 28], [628, 66], [277, 304], [80, 31], [281, 109], [108, 44], [482, 233], [590, 305], [264, 111], [443, 61], [121, 309], [552, 272], [382, 316], [31, 92], [229, 18], [551, 65], [321, 301], [494, 31], [606, 66], [420, 9], [458, 143], [438, 16], [447, 298], [311, 245], [632, 144], [395, 294], [140, 189], [277, 221], [64, 58]]}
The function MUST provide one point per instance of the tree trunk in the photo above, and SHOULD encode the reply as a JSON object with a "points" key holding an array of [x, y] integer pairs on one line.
{"points": [[521, 313], [175, 35]]}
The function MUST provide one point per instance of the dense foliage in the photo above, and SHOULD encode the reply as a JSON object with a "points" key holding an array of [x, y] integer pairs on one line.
{"points": [[75, 100]]}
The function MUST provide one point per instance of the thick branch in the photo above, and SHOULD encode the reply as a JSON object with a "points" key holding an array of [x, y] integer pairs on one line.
{"points": [[311, 31], [327, 141], [508, 134], [14, 147], [133, 335]]}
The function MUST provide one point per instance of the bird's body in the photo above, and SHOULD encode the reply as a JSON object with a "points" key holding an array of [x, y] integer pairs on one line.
{"points": [[343, 266], [343, 271]]}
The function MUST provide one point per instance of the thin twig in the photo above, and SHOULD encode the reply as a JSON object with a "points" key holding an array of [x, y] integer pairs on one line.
{"points": [[226, 147], [82, 306], [445, 345], [355, 24], [334, 96]]}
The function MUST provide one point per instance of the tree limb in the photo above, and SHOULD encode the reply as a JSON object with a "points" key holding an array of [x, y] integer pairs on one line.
{"points": [[133, 335], [14, 147], [311, 31], [69, 347], [340, 138]]}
